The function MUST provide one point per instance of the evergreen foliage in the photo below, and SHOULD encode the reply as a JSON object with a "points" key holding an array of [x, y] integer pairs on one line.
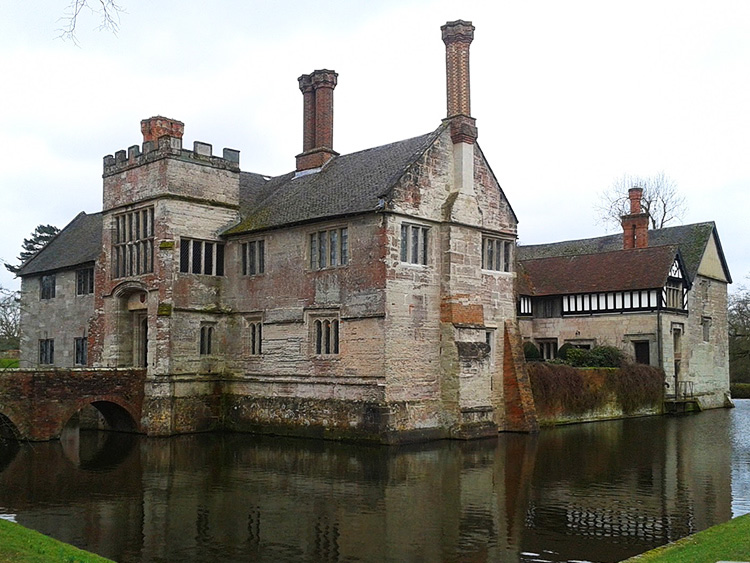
{"points": [[38, 240]]}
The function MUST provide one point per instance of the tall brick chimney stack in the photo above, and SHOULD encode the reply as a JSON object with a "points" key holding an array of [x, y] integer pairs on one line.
{"points": [[158, 126], [317, 136], [635, 224], [457, 36]]}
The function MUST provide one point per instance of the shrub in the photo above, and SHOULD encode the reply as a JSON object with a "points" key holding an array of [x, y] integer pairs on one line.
{"points": [[562, 352], [605, 357], [638, 385], [577, 357], [531, 352], [597, 357], [562, 388]]}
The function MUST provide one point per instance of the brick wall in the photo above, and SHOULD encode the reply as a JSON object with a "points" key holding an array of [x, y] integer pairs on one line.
{"points": [[40, 402]]}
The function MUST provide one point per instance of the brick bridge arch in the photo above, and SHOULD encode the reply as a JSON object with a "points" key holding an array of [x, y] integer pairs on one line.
{"points": [[36, 405]]}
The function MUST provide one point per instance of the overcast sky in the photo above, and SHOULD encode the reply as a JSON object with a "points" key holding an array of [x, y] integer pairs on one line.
{"points": [[568, 97]]}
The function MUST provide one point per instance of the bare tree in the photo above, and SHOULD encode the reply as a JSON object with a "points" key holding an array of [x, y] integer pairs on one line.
{"points": [[10, 319], [662, 201], [107, 11], [739, 335]]}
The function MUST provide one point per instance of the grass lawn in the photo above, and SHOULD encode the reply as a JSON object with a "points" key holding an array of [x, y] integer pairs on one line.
{"points": [[21, 545], [726, 542], [8, 363]]}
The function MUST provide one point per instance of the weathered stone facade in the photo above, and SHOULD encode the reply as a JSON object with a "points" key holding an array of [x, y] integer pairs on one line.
{"points": [[346, 299]]}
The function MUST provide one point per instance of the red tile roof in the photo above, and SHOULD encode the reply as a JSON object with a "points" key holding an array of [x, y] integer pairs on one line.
{"points": [[620, 270]]}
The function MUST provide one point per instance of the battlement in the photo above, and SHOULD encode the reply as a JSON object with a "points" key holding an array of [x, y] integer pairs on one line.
{"points": [[170, 147]]}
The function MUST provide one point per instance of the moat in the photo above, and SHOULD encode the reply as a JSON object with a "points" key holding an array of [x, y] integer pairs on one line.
{"points": [[593, 492]]}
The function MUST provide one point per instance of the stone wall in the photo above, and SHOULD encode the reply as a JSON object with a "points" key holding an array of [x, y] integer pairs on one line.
{"points": [[62, 318], [707, 359]]}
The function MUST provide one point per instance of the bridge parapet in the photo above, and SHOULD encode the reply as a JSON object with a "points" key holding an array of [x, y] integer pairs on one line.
{"points": [[36, 404]]}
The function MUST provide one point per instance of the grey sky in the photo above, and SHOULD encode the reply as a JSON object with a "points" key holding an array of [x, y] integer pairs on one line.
{"points": [[568, 96]]}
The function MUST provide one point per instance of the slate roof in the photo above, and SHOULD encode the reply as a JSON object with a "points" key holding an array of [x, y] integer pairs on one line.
{"points": [[690, 239], [346, 185], [78, 243], [620, 270]]}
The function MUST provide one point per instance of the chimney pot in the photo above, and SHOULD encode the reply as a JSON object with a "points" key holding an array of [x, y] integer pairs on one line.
{"points": [[635, 195], [457, 36], [635, 224], [158, 126], [317, 137]]}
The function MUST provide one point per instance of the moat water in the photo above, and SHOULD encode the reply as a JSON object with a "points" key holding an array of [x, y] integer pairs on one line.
{"points": [[594, 492]]}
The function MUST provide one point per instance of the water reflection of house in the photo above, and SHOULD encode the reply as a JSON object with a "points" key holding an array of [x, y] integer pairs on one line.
{"points": [[660, 295], [596, 492]]}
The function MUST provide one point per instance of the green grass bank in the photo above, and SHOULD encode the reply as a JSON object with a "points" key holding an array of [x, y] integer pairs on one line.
{"points": [[21, 545], [726, 542]]}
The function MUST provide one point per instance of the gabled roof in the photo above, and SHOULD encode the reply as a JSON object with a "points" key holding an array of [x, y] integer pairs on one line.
{"points": [[347, 185], [78, 243], [621, 270], [690, 239]]}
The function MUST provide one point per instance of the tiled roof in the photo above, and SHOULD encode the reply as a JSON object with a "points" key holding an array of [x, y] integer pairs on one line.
{"points": [[346, 185], [690, 239], [621, 270], [79, 242]]}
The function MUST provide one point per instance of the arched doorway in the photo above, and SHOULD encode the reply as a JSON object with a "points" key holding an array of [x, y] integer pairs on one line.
{"points": [[132, 325]]}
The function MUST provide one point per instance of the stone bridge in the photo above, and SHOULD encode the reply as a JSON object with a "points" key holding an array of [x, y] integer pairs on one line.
{"points": [[37, 404]]}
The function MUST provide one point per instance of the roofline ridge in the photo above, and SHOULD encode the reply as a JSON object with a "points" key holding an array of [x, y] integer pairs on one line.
{"points": [[430, 139]]}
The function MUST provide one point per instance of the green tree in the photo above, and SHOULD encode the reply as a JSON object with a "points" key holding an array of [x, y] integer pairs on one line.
{"points": [[38, 240]]}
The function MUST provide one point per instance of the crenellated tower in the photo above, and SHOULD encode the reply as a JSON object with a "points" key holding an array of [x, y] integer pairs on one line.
{"points": [[162, 261]]}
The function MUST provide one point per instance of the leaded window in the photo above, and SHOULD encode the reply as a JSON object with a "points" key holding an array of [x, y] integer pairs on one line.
{"points": [[329, 249], [206, 340], [253, 257], [497, 254], [414, 244], [47, 351], [201, 257], [133, 243], [326, 336], [81, 351], [47, 286], [84, 281], [256, 338]]}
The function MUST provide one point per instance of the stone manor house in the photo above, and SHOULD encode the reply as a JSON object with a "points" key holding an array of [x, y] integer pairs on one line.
{"points": [[351, 296], [369, 295]]}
